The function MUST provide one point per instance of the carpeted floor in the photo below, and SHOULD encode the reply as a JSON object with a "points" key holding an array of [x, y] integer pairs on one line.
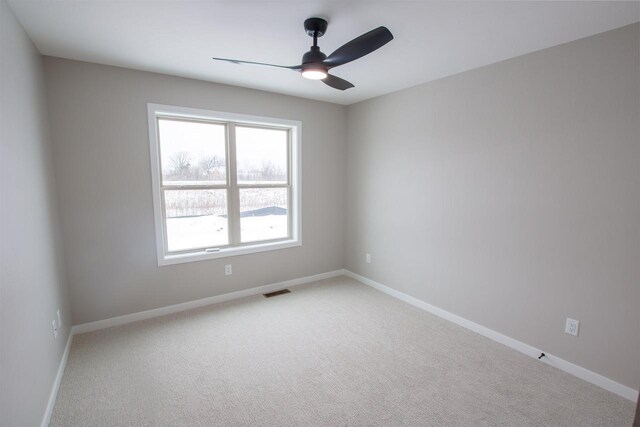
{"points": [[333, 353]]}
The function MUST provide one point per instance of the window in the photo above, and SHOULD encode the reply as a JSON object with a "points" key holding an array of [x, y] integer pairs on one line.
{"points": [[223, 184]]}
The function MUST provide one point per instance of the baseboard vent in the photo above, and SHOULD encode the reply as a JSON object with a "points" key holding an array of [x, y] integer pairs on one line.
{"points": [[276, 293]]}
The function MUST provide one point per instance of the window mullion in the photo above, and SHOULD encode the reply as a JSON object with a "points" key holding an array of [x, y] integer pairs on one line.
{"points": [[193, 187], [290, 212], [165, 239], [233, 192], [250, 186]]}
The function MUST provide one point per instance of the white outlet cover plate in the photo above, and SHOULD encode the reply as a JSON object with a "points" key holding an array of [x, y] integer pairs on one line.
{"points": [[228, 270], [572, 326]]}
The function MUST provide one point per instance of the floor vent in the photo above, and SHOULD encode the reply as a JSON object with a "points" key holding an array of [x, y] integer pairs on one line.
{"points": [[276, 293]]}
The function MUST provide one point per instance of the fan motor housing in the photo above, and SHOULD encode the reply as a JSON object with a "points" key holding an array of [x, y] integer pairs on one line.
{"points": [[313, 56]]}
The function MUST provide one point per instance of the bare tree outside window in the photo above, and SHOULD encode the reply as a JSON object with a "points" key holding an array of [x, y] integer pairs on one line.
{"points": [[180, 163], [212, 168]]}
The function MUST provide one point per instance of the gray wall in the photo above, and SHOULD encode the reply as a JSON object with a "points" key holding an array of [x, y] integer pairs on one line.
{"points": [[32, 283], [99, 127], [510, 195]]}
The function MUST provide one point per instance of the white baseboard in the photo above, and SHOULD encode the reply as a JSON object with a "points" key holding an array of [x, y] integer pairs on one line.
{"points": [[148, 314], [578, 371], [56, 383]]}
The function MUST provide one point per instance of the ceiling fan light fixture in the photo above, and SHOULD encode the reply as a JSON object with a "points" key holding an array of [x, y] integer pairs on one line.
{"points": [[314, 74], [315, 65]]}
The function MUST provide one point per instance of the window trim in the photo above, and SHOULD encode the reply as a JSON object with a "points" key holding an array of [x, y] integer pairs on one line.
{"points": [[231, 119]]}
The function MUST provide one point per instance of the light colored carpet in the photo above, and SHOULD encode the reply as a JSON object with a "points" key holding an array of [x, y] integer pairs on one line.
{"points": [[331, 353]]}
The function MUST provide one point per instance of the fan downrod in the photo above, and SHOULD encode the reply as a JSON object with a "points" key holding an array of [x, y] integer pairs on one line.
{"points": [[315, 27]]}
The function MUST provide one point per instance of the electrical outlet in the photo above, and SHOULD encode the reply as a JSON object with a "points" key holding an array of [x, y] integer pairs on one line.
{"points": [[59, 320], [367, 258], [55, 329], [228, 270], [571, 327]]}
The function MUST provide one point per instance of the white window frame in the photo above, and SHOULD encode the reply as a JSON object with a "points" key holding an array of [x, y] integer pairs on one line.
{"points": [[295, 176]]}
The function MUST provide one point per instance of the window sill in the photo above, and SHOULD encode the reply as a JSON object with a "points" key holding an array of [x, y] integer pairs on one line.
{"points": [[227, 252]]}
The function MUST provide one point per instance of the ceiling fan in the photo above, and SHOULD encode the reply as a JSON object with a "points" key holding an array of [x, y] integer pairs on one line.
{"points": [[316, 65]]}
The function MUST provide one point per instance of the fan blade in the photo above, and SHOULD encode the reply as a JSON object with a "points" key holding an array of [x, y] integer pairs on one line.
{"points": [[236, 61], [337, 82], [359, 47]]}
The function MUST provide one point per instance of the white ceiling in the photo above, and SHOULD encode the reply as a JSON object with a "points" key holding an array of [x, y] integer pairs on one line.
{"points": [[432, 39]]}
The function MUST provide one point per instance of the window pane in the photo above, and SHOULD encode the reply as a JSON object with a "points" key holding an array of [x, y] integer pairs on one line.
{"points": [[192, 152], [263, 214], [196, 219], [261, 155]]}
